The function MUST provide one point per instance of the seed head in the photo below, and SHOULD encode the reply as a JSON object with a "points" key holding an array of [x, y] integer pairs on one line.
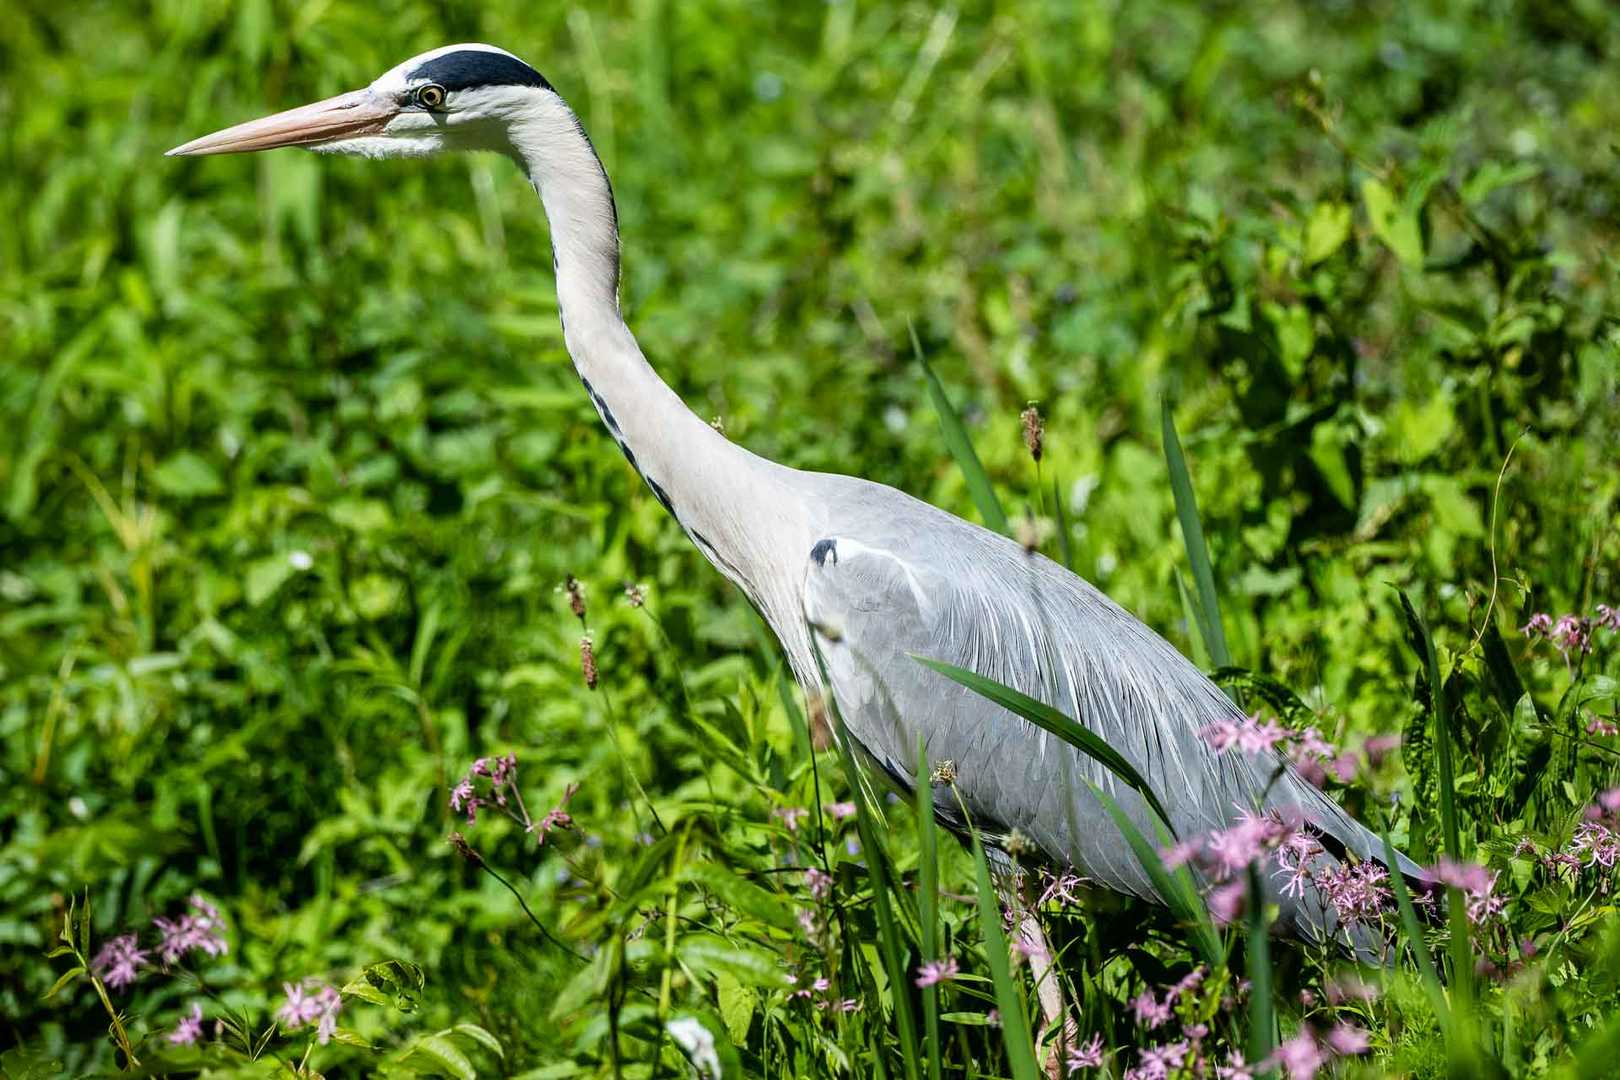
{"points": [[1034, 430], [944, 772], [1018, 843], [576, 596], [634, 594], [587, 661], [464, 849], [1034, 531]]}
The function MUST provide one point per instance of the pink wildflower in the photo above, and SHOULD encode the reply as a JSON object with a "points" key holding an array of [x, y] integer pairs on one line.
{"points": [[1300, 1057], [1295, 857], [1608, 618], [1226, 902], [816, 987], [501, 770], [1378, 747], [1187, 984], [1157, 1061], [790, 816], [1540, 625], [462, 799], [556, 817], [303, 1007], [1596, 725], [1150, 1011], [1347, 1039], [1246, 733], [1572, 633], [1060, 888], [1181, 853], [838, 811], [118, 962], [937, 972], [1235, 848], [1356, 891], [1029, 950], [1476, 883], [1349, 988], [1596, 843], [1088, 1055], [1235, 1069], [192, 932], [189, 1029], [819, 882], [1563, 864]]}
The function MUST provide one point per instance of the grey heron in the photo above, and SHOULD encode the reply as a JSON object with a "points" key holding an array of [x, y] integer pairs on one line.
{"points": [[869, 574]]}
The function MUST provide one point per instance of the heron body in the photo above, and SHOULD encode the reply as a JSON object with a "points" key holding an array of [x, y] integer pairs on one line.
{"points": [[874, 575]]}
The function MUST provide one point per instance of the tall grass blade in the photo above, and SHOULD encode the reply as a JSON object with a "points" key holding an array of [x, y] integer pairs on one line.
{"points": [[1262, 1006], [1014, 1021], [1460, 944], [961, 447], [1414, 940], [1047, 718], [1060, 509], [1195, 621], [1178, 889], [1192, 533], [928, 905]]}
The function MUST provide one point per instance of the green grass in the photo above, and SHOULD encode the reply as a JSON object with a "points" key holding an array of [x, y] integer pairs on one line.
{"points": [[293, 468]]}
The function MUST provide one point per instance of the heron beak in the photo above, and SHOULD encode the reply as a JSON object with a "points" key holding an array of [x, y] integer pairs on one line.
{"points": [[359, 112]]}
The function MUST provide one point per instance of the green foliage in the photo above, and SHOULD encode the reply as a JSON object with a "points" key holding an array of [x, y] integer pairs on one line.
{"points": [[292, 469]]}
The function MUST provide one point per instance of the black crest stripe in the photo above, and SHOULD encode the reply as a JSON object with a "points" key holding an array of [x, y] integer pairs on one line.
{"points": [[467, 68]]}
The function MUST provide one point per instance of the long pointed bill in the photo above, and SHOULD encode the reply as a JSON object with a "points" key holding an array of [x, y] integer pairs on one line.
{"points": [[359, 112]]}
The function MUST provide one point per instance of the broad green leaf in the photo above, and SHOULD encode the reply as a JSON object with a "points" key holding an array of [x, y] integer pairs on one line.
{"points": [[266, 575], [1326, 231], [737, 1004], [481, 1037], [708, 955], [187, 475], [445, 1056], [741, 894], [1394, 224]]}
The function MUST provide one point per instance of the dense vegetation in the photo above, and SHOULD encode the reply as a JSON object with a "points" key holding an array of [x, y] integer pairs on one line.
{"points": [[293, 471]]}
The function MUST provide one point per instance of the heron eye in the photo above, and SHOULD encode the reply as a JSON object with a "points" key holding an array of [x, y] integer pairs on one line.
{"points": [[430, 96]]}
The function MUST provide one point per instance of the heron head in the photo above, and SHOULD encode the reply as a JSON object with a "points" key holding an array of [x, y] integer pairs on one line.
{"points": [[460, 97]]}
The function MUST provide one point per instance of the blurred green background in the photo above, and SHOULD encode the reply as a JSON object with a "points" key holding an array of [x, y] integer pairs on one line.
{"points": [[293, 463]]}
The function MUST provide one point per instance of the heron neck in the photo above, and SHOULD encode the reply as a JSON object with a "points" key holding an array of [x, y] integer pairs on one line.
{"points": [[734, 506]]}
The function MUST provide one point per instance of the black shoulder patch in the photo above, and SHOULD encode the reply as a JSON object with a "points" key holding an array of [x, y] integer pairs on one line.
{"points": [[823, 549], [467, 68]]}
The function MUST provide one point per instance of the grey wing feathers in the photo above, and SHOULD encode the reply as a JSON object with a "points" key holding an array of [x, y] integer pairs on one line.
{"points": [[954, 592]]}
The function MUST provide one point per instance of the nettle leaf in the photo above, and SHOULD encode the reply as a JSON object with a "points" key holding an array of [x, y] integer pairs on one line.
{"points": [[445, 1055], [1326, 231], [706, 954], [1394, 224], [187, 475], [401, 979]]}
